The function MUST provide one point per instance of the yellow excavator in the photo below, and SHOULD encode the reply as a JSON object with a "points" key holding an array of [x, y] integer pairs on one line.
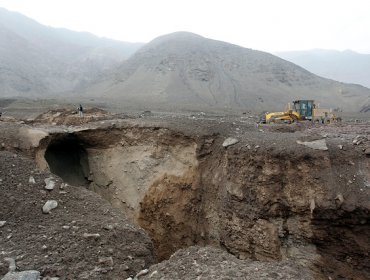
{"points": [[301, 110]]}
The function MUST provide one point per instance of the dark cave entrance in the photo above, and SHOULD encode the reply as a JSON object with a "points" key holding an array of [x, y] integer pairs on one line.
{"points": [[68, 159]]}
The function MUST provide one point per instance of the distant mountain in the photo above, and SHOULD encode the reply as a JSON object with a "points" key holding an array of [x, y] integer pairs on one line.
{"points": [[36, 60], [186, 70], [179, 70], [347, 66]]}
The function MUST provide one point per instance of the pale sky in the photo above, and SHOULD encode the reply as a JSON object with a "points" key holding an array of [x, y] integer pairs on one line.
{"points": [[267, 25]]}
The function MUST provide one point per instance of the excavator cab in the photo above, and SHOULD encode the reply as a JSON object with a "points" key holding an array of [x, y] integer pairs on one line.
{"points": [[304, 108]]}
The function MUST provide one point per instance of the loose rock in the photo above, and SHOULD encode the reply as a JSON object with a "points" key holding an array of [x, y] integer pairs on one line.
{"points": [[23, 275], [339, 199], [359, 139], [49, 205], [2, 223], [31, 180], [49, 184], [141, 273], [229, 141], [316, 145], [91, 235], [108, 261]]}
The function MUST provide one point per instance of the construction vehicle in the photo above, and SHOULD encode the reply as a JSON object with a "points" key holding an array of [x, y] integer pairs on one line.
{"points": [[301, 110]]}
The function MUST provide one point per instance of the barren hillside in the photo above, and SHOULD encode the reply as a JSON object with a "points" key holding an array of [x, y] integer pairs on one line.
{"points": [[347, 66], [36, 60], [185, 69]]}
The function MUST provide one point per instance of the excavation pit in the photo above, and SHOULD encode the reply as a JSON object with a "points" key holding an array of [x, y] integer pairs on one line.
{"points": [[135, 169], [256, 204]]}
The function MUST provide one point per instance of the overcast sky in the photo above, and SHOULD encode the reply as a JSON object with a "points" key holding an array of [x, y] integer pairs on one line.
{"points": [[268, 25]]}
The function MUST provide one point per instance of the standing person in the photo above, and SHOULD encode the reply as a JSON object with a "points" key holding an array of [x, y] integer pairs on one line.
{"points": [[80, 111]]}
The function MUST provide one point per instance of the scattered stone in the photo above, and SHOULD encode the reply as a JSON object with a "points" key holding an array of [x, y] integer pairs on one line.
{"points": [[146, 114], [312, 205], [153, 273], [339, 199], [12, 266], [66, 227], [49, 205], [91, 235], [316, 145], [108, 227], [49, 184], [367, 152], [31, 180], [124, 267], [23, 275], [142, 272], [340, 147], [108, 261], [229, 141], [2, 223], [359, 139]]}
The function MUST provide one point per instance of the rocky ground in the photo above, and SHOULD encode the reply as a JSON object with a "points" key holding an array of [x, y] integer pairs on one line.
{"points": [[274, 202]]}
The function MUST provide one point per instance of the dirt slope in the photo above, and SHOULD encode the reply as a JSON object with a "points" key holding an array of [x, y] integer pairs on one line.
{"points": [[37, 60], [83, 238], [211, 263]]}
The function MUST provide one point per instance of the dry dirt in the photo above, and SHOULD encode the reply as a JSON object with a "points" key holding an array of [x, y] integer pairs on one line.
{"points": [[153, 183]]}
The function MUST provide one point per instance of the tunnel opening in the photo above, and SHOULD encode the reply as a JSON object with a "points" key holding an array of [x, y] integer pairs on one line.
{"points": [[68, 159]]}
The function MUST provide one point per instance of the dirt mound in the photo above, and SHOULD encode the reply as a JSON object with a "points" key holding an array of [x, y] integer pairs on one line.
{"points": [[212, 263], [82, 238], [71, 117]]}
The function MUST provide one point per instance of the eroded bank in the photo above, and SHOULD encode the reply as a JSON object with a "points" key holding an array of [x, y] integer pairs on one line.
{"points": [[255, 202]]}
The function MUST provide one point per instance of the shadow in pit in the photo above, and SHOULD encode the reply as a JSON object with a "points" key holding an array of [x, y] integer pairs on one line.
{"points": [[68, 159]]}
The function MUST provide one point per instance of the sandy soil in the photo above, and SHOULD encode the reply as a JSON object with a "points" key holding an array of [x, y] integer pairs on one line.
{"points": [[268, 197]]}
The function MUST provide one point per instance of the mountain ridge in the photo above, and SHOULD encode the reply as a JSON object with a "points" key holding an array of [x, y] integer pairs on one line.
{"points": [[180, 69], [37, 60], [188, 69], [346, 66]]}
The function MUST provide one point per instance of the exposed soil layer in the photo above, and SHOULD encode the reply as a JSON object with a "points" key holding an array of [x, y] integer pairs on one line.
{"points": [[265, 198], [83, 238]]}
